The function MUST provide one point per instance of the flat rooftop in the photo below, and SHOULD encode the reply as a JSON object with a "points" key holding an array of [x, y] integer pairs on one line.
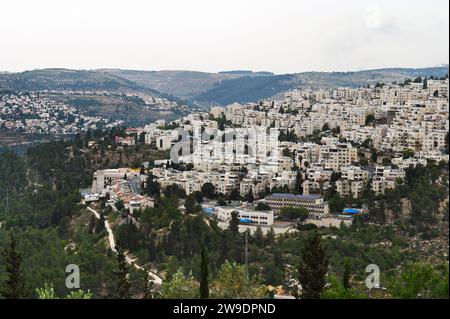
{"points": [[293, 196]]}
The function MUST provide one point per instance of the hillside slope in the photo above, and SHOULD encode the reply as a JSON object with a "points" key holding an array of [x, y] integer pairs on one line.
{"points": [[183, 84], [252, 89], [64, 79]]}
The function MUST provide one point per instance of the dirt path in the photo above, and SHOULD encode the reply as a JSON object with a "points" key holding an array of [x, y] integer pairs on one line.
{"points": [[154, 277]]}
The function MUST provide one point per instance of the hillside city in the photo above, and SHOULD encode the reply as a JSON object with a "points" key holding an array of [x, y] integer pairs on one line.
{"points": [[344, 141], [357, 177], [203, 159]]}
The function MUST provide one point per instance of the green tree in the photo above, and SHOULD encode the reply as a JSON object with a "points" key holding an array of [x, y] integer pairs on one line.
{"points": [[234, 223], [147, 285], [232, 282], [337, 291], [346, 276], [119, 205], [209, 190], [370, 119], [262, 207], [191, 205], [294, 213], [14, 287], [79, 294], [407, 153], [420, 281], [152, 187], [122, 289], [299, 182], [250, 196], [204, 274], [313, 267], [179, 287], [141, 138], [47, 292]]}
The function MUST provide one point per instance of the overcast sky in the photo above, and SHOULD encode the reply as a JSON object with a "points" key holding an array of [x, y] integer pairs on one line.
{"points": [[282, 36]]}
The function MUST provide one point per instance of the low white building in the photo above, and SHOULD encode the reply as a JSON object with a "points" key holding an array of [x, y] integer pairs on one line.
{"points": [[103, 178], [246, 215]]}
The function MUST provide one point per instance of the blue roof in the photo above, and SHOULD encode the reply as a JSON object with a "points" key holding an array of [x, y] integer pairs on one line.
{"points": [[209, 210], [351, 211], [293, 196]]}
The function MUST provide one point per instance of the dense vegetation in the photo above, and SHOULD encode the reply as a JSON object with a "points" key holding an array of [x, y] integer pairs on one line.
{"points": [[246, 89]]}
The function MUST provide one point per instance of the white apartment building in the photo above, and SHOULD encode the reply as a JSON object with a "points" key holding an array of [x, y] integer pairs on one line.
{"points": [[317, 180], [352, 182], [385, 177], [337, 155], [315, 205], [164, 142]]}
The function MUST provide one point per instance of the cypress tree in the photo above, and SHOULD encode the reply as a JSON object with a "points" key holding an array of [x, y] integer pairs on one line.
{"points": [[313, 267], [204, 274], [123, 285], [14, 287], [250, 197], [346, 276], [234, 223], [191, 205], [148, 284], [299, 182]]}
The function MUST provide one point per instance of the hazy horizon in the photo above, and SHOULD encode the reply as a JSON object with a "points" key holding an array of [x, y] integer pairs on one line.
{"points": [[200, 35], [228, 70]]}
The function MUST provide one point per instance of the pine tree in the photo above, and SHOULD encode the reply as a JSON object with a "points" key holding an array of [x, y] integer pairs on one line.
{"points": [[270, 237], [299, 182], [259, 237], [191, 205], [250, 197], [234, 223], [148, 285], [346, 276], [100, 224], [204, 274], [123, 285], [14, 287], [313, 267]]}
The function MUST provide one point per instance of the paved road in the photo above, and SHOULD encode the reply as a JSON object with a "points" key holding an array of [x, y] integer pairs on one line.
{"points": [[112, 244]]}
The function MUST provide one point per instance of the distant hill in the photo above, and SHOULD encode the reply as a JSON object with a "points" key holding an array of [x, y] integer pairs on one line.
{"points": [[201, 87], [183, 84], [66, 79], [248, 89], [186, 85]]}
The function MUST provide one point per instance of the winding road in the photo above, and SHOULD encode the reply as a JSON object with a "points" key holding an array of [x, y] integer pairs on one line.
{"points": [[153, 277]]}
